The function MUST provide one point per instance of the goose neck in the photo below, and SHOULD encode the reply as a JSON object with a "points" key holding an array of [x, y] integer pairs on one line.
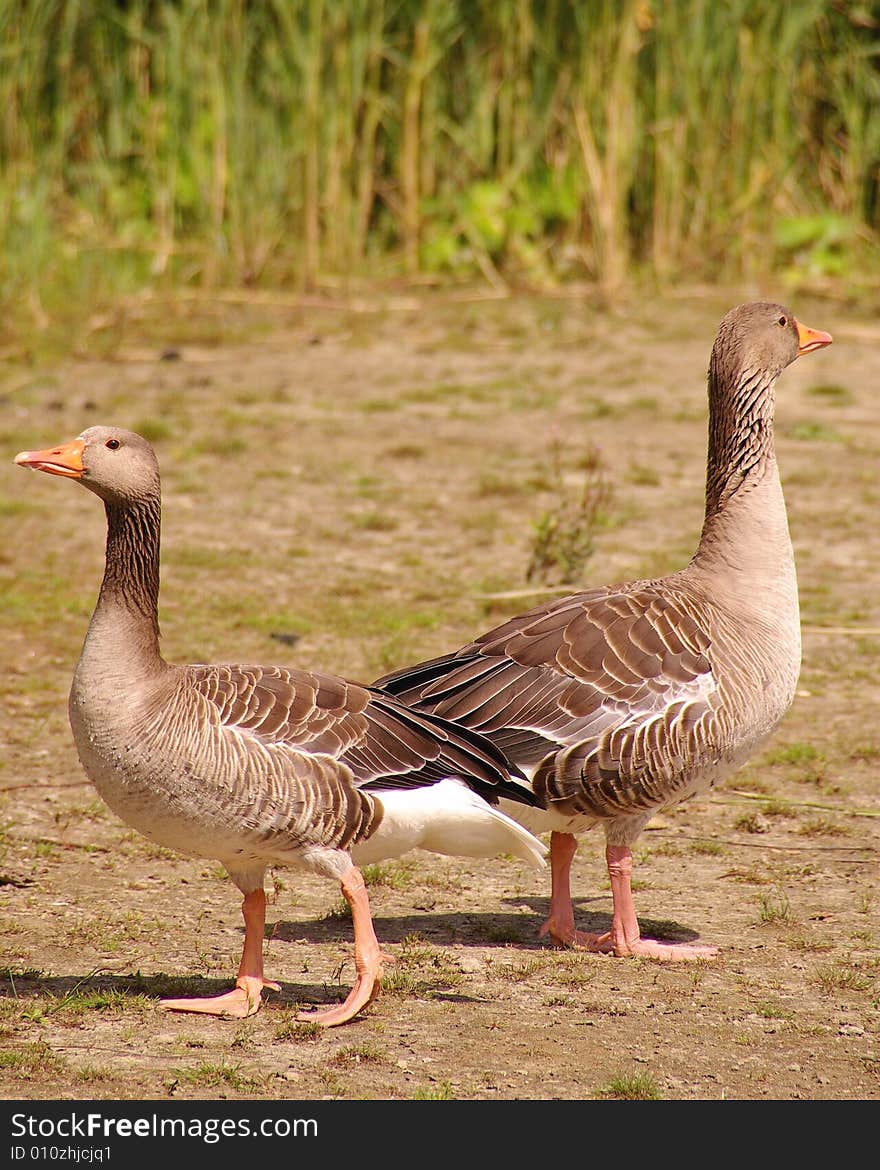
{"points": [[127, 607], [741, 445]]}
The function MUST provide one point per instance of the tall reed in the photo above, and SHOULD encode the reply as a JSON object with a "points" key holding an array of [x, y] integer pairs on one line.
{"points": [[294, 141]]}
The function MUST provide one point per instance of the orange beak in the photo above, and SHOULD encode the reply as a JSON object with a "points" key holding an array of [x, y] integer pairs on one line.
{"points": [[65, 460], [810, 339]]}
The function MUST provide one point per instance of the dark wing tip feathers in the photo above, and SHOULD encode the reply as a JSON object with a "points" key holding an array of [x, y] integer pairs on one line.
{"points": [[398, 682], [463, 753]]}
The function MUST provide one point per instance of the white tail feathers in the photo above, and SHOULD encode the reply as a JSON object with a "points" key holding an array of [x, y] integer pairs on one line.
{"points": [[446, 817]]}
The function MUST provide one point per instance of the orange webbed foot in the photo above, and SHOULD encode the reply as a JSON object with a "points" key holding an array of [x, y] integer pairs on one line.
{"points": [[365, 990], [244, 1000]]}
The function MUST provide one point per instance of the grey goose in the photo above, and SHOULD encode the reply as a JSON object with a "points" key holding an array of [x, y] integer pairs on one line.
{"points": [[259, 765], [622, 700]]}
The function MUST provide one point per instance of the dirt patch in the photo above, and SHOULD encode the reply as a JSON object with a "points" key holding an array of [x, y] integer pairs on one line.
{"points": [[353, 491]]}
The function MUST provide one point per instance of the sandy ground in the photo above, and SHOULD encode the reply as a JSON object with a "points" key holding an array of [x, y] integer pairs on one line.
{"points": [[351, 488]]}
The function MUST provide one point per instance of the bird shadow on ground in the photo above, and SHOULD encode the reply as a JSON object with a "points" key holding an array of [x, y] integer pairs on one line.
{"points": [[595, 922], [480, 929], [441, 929], [95, 992], [98, 989]]}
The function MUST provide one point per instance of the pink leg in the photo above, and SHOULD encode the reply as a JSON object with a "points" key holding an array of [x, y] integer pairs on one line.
{"points": [[244, 999], [624, 938], [368, 958], [560, 920]]}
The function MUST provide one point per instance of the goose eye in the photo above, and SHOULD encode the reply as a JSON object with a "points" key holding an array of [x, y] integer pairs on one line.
{"points": [[112, 444], [783, 321]]}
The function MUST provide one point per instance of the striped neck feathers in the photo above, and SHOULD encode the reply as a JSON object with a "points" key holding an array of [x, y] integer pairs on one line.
{"points": [[131, 571]]}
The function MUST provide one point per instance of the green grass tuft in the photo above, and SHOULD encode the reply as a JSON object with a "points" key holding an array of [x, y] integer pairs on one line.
{"points": [[631, 1087]]}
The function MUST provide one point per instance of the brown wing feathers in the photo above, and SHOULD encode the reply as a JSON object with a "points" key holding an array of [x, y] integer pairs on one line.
{"points": [[445, 748], [377, 739], [596, 692]]}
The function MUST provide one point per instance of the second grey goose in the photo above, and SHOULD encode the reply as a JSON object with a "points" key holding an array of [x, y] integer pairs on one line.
{"points": [[259, 765], [622, 700]]}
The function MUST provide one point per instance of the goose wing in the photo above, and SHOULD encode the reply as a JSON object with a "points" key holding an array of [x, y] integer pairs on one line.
{"points": [[374, 738], [602, 694]]}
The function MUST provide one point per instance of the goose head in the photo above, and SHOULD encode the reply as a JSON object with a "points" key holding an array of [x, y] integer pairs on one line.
{"points": [[758, 340], [117, 465]]}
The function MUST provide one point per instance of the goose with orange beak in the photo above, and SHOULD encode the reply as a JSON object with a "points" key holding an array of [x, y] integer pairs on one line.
{"points": [[260, 765], [622, 700]]}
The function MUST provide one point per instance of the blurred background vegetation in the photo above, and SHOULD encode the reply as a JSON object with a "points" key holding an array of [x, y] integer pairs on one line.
{"points": [[300, 144]]}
